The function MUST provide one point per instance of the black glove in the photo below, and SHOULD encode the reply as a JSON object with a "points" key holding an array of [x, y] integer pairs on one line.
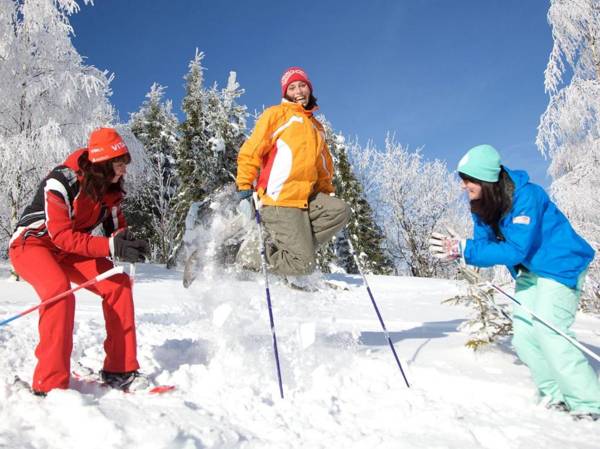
{"points": [[125, 248], [127, 234]]}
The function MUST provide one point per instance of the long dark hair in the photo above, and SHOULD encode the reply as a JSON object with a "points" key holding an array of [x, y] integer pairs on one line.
{"points": [[495, 200], [96, 178], [312, 102]]}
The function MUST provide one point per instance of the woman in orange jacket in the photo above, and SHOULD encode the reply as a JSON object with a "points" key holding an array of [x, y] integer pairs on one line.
{"points": [[56, 243], [287, 162]]}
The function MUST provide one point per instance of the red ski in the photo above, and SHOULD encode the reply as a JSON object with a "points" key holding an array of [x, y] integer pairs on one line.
{"points": [[94, 379]]}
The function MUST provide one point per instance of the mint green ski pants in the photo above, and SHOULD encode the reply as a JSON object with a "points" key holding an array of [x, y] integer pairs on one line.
{"points": [[560, 370]]}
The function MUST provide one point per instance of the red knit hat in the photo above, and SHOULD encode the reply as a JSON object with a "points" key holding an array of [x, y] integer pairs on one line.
{"points": [[105, 144], [293, 74]]}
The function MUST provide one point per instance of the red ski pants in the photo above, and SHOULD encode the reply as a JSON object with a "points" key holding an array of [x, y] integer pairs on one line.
{"points": [[50, 272]]}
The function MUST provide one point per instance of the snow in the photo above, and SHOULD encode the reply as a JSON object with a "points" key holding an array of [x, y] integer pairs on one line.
{"points": [[342, 386]]}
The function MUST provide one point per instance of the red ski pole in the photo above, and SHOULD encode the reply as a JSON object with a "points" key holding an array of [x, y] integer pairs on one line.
{"points": [[100, 277]]}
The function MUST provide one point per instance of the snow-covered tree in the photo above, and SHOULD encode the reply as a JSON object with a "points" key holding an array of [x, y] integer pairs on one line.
{"points": [[569, 129], [413, 197], [366, 236], [227, 126], [192, 147], [137, 170], [211, 134], [50, 99], [151, 211]]}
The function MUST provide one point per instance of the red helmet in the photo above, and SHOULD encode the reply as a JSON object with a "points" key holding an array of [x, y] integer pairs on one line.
{"points": [[105, 144]]}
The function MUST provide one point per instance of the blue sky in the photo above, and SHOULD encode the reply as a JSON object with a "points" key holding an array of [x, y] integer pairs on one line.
{"points": [[438, 74]]}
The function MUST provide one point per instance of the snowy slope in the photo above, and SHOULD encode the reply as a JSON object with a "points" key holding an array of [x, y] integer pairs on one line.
{"points": [[343, 390]]}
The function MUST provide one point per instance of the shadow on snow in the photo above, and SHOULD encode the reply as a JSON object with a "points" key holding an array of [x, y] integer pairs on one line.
{"points": [[428, 330]]}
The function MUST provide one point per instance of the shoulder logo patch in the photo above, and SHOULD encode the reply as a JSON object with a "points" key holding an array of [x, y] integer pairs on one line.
{"points": [[522, 219]]}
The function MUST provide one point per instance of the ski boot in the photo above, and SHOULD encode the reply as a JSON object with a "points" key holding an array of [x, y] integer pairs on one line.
{"points": [[308, 283], [558, 406], [128, 381], [21, 384], [585, 416]]}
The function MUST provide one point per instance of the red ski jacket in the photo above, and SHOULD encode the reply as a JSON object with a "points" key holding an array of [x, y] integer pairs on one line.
{"points": [[64, 217]]}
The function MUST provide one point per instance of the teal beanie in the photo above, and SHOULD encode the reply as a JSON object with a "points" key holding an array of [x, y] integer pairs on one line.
{"points": [[481, 162]]}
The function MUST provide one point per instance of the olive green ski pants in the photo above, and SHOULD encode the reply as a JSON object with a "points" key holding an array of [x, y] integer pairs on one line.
{"points": [[293, 234]]}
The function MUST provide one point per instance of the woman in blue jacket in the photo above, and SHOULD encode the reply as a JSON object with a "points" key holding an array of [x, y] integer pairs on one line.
{"points": [[517, 225]]}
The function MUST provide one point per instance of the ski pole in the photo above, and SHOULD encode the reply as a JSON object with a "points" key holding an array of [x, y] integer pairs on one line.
{"points": [[263, 261], [100, 277], [387, 335], [548, 325]]}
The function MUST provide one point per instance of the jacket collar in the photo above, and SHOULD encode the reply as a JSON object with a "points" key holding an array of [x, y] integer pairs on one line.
{"points": [[519, 177], [72, 161], [298, 107]]}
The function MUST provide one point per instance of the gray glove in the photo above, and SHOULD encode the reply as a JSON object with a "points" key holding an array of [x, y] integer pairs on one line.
{"points": [[245, 206]]}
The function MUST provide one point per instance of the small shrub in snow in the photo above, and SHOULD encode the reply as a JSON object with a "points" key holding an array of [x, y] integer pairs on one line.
{"points": [[488, 324]]}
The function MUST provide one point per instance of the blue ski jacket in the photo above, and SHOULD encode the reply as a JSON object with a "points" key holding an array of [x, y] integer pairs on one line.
{"points": [[537, 236]]}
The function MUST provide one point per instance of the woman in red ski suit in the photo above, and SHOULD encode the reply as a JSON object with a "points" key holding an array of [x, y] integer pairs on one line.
{"points": [[57, 241]]}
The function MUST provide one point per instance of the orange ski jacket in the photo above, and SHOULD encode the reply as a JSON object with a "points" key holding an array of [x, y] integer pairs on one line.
{"points": [[286, 159]]}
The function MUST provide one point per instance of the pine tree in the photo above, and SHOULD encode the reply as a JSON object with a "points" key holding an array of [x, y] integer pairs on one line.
{"points": [[226, 125], [194, 135], [211, 134], [190, 151], [151, 212], [366, 236], [232, 124]]}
